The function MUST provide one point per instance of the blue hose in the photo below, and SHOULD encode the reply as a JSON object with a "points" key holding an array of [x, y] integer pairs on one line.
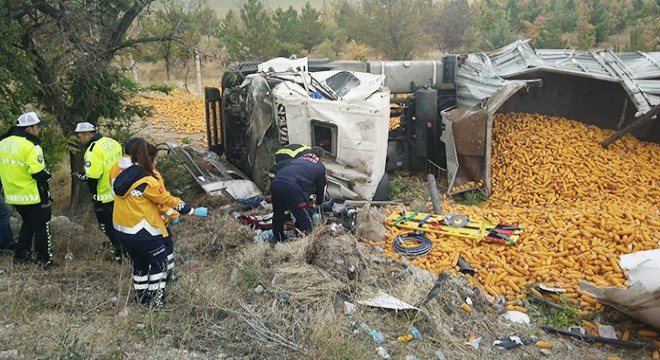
{"points": [[422, 249]]}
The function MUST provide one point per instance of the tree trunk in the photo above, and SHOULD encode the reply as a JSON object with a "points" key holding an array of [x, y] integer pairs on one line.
{"points": [[80, 202]]}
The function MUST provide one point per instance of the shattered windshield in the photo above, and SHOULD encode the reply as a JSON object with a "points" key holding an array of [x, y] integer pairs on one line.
{"points": [[342, 82]]}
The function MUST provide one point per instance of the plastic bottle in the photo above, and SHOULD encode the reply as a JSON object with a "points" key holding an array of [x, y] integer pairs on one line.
{"points": [[413, 334], [262, 235], [378, 336], [316, 218]]}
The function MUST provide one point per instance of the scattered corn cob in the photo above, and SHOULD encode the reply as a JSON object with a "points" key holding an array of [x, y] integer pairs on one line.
{"points": [[543, 344], [466, 307], [648, 333]]}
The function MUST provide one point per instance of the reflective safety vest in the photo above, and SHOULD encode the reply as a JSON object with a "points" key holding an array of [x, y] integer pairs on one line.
{"points": [[291, 151], [19, 159], [101, 155]]}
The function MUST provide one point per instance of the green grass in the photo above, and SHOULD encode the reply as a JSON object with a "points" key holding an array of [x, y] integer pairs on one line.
{"points": [[563, 319], [472, 198]]}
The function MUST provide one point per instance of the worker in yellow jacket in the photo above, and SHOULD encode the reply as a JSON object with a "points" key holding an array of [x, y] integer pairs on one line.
{"points": [[101, 155], [138, 194], [25, 179], [168, 214]]}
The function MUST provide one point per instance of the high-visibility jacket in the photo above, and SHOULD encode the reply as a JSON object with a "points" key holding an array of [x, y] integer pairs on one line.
{"points": [[101, 155], [23, 170], [167, 213], [137, 197]]}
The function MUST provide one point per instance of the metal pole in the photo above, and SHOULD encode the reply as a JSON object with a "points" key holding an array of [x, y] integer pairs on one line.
{"points": [[133, 68], [198, 71], [435, 197]]}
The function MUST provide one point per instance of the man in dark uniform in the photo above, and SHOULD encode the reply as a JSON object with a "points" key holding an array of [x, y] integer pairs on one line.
{"points": [[292, 189]]}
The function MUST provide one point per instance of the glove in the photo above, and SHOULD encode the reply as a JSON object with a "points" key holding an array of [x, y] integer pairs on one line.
{"points": [[175, 220], [201, 211], [78, 176]]}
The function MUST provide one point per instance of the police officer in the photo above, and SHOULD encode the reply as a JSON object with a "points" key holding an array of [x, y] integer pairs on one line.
{"points": [[292, 189], [25, 180], [286, 154], [101, 155]]}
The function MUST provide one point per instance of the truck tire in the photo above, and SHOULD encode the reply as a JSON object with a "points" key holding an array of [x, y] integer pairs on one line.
{"points": [[383, 189]]}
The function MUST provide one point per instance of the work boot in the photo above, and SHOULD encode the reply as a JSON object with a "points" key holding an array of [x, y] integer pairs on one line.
{"points": [[158, 299], [9, 245], [143, 297], [23, 258], [50, 265]]}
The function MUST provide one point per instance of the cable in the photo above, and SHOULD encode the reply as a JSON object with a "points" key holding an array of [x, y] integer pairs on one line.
{"points": [[422, 249]]}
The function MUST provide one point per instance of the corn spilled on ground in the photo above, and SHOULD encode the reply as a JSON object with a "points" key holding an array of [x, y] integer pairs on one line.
{"points": [[581, 206], [180, 112]]}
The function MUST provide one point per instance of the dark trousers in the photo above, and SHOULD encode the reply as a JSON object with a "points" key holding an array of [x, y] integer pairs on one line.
{"points": [[6, 235], [36, 220], [103, 212], [149, 259], [288, 196], [169, 250]]}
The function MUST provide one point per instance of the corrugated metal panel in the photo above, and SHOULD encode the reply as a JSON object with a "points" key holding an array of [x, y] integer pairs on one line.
{"points": [[514, 58], [476, 80], [483, 74], [643, 65]]}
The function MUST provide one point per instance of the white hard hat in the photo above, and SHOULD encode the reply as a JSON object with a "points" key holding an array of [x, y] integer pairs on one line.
{"points": [[29, 119], [84, 127]]}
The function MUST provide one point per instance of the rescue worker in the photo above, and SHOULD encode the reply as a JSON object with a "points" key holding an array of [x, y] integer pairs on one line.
{"points": [[25, 179], [294, 185], [169, 216], [286, 154], [138, 193], [101, 155]]}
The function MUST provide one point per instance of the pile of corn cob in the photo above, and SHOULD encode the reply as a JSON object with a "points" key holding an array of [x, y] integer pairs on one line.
{"points": [[581, 206]]}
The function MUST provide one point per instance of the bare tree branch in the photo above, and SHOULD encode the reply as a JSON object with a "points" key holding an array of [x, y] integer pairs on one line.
{"points": [[126, 21], [134, 42]]}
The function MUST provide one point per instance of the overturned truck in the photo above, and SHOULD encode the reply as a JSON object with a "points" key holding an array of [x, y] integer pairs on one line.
{"points": [[421, 116]]}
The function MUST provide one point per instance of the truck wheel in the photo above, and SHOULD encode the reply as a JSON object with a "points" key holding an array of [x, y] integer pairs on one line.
{"points": [[383, 189]]}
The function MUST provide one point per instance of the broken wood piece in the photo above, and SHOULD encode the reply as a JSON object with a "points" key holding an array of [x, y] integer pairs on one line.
{"points": [[634, 125]]}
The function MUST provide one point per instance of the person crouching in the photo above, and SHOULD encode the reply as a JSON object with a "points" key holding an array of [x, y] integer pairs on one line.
{"points": [[292, 188], [138, 194]]}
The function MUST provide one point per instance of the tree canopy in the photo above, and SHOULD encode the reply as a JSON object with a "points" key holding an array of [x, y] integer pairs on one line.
{"points": [[66, 69]]}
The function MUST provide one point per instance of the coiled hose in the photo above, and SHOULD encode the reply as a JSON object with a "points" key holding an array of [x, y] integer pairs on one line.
{"points": [[425, 245]]}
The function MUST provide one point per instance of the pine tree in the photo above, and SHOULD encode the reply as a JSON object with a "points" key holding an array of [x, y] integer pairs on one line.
{"points": [[600, 19], [454, 20], [312, 31], [550, 35], [585, 33]]}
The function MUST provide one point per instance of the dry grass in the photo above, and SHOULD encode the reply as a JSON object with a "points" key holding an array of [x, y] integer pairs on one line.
{"points": [[84, 309]]}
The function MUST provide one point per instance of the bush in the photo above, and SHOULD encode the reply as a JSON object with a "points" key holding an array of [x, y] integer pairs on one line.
{"points": [[176, 176]]}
